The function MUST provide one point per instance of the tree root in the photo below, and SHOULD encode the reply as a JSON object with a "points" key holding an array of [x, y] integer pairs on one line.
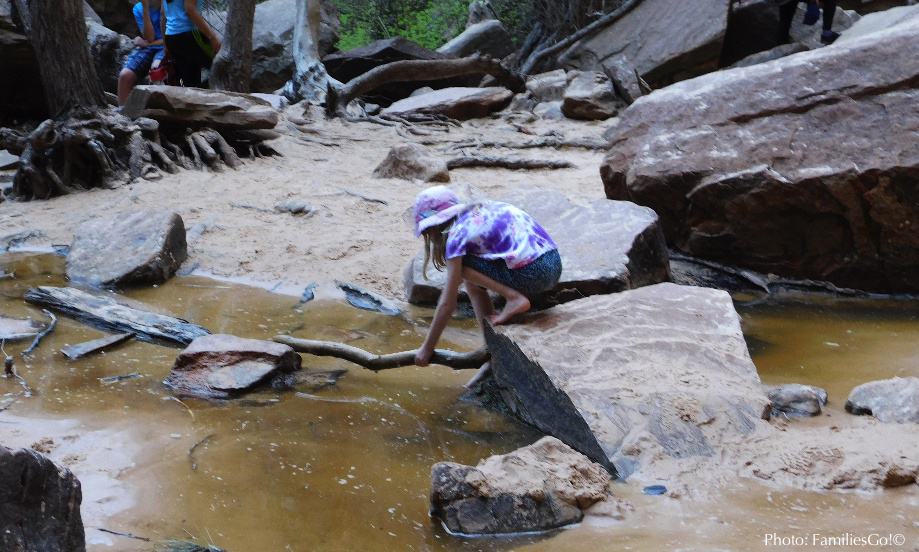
{"points": [[370, 361], [43, 333], [102, 148], [544, 142], [512, 163]]}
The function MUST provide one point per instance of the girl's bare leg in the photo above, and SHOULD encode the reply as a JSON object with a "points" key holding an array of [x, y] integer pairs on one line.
{"points": [[481, 302], [515, 302]]}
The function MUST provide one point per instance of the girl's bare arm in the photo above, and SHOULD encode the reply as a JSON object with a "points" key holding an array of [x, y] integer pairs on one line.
{"points": [[445, 307]]}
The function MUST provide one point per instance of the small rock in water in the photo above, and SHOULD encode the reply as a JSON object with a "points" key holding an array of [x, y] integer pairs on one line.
{"points": [[365, 300], [797, 400], [309, 293], [894, 400], [654, 490]]}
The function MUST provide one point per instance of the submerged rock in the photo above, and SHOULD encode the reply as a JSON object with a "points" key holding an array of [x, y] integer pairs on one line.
{"points": [[743, 170], [894, 400], [144, 247], [797, 399], [15, 329], [39, 504], [633, 253], [543, 486], [657, 372], [221, 366], [590, 96], [412, 161], [457, 103], [365, 300]]}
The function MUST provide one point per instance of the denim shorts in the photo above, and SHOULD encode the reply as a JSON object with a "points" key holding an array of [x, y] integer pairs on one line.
{"points": [[141, 59], [531, 280]]}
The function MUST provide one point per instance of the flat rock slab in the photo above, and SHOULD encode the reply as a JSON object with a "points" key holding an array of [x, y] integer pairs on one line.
{"points": [[80, 350], [539, 487], [457, 103], [660, 371], [412, 162], [122, 315], [797, 400], [744, 170], [39, 504], [222, 366], [633, 252], [8, 160], [143, 247], [199, 107], [15, 329], [894, 400]]}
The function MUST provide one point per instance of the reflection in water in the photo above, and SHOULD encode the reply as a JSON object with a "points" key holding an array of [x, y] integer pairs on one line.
{"points": [[348, 467]]}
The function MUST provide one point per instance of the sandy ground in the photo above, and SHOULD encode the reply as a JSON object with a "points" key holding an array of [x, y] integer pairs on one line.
{"points": [[348, 238]]}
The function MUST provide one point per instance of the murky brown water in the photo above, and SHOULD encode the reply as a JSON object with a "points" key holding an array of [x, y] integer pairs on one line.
{"points": [[348, 467]]}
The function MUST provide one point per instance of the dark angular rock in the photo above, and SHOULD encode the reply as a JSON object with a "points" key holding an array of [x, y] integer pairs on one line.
{"points": [[143, 247], [39, 504], [744, 171], [536, 488], [457, 103], [412, 162], [222, 366], [590, 96], [894, 400], [797, 400]]}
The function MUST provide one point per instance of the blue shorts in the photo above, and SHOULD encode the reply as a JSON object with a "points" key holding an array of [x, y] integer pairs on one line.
{"points": [[141, 59], [531, 280]]}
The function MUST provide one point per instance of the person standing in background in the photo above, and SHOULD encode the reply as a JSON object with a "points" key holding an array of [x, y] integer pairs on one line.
{"points": [[191, 41]]}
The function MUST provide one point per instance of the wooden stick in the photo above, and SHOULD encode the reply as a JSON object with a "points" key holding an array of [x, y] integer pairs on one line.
{"points": [[511, 163], [370, 361], [44, 332]]}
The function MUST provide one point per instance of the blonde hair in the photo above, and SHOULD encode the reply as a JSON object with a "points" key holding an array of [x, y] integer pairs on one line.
{"points": [[435, 246]]}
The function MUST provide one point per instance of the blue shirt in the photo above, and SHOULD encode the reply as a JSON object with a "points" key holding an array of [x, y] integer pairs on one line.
{"points": [[177, 21], [154, 18]]}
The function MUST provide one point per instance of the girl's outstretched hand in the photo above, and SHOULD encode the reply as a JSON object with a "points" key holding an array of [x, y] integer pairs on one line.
{"points": [[423, 356]]}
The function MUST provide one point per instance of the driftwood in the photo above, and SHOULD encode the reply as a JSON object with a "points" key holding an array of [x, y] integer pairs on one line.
{"points": [[80, 350], [543, 142], [104, 312], [43, 333], [420, 70], [452, 359], [511, 163], [598, 25]]}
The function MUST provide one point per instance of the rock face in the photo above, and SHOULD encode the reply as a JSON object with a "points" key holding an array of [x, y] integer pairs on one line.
{"points": [[109, 51], [742, 169], [144, 247], [487, 37], [221, 366], [457, 102], [535, 488], [664, 40], [633, 254], [797, 400], [590, 96], [410, 162], [894, 400], [197, 107], [272, 36], [661, 371], [39, 504]]}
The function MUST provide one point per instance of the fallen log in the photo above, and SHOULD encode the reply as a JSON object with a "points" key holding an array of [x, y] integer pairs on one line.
{"points": [[102, 311], [420, 70], [80, 350], [545, 142], [511, 163], [370, 361]]}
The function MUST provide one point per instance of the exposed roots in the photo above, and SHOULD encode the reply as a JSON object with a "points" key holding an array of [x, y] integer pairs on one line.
{"points": [[102, 148]]}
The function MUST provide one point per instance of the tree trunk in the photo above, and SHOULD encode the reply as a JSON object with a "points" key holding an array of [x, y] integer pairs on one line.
{"points": [[232, 69], [57, 32], [310, 79]]}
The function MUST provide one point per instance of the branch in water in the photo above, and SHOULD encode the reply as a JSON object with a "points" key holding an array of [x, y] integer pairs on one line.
{"points": [[43, 333], [452, 359]]}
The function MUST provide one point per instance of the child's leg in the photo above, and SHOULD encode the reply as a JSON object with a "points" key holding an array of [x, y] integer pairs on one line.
{"points": [[127, 79], [481, 302], [515, 302]]}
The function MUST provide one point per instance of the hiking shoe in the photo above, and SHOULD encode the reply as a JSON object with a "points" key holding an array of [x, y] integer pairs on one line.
{"points": [[828, 37]]}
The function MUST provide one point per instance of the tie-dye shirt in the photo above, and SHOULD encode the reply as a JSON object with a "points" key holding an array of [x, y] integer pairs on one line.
{"points": [[494, 230]]}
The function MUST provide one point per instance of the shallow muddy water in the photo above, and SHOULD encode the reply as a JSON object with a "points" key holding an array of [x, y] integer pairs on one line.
{"points": [[348, 467]]}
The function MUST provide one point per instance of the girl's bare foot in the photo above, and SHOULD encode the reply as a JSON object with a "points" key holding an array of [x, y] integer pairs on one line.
{"points": [[512, 308]]}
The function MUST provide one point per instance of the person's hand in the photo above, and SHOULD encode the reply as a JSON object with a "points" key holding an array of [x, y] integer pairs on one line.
{"points": [[423, 356], [140, 42]]}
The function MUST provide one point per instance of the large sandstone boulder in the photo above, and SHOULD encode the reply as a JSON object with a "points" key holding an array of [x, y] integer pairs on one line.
{"points": [[590, 96], [272, 37], [39, 504], [457, 102], [894, 400], [143, 247], [878, 21], [410, 161], [487, 38], [221, 366], [197, 107], [633, 252], [657, 372], [664, 40], [743, 167], [535, 488]]}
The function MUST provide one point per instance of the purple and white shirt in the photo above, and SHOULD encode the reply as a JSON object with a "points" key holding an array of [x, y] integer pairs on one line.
{"points": [[495, 230]]}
